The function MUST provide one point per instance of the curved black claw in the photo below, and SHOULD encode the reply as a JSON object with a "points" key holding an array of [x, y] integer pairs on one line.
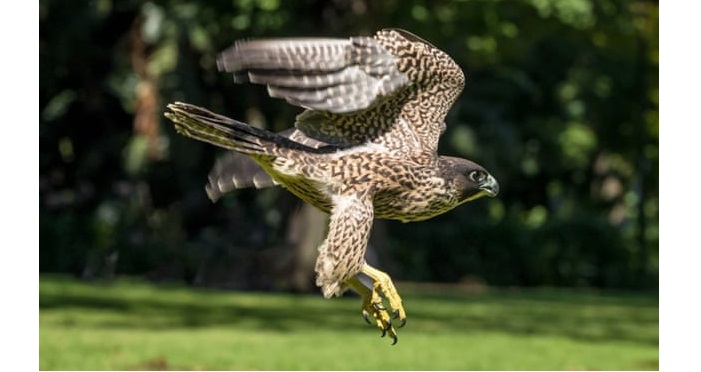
{"points": [[366, 316], [392, 334], [396, 315], [387, 327], [402, 324], [383, 319]]}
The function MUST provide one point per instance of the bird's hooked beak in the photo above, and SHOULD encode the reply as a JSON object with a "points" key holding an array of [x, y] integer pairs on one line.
{"points": [[490, 186]]}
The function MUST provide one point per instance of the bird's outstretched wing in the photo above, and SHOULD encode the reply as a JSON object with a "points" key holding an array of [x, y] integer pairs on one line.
{"points": [[392, 89], [334, 75], [235, 170]]}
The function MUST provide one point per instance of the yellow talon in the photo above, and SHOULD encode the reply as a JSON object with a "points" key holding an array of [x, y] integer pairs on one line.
{"points": [[373, 301], [383, 283]]}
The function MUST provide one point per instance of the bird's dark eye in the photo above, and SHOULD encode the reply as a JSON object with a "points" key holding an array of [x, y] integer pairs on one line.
{"points": [[478, 176]]}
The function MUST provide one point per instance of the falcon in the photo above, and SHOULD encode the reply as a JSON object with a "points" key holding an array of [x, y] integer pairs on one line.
{"points": [[365, 146]]}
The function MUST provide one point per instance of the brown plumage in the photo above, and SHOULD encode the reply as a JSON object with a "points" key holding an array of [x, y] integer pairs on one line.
{"points": [[366, 146]]}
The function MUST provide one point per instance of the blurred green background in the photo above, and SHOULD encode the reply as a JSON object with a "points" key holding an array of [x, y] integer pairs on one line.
{"points": [[561, 105]]}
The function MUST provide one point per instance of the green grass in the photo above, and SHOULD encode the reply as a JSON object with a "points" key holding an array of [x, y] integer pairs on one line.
{"points": [[130, 324]]}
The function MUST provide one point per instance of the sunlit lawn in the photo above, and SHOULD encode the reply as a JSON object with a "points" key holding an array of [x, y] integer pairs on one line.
{"points": [[134, 325]]}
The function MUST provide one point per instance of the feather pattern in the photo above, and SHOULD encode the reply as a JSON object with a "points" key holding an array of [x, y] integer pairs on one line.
{"points": [[333, 75]]}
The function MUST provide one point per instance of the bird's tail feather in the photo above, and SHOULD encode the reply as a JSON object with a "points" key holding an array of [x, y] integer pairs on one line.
{"points": [[204, 125]]}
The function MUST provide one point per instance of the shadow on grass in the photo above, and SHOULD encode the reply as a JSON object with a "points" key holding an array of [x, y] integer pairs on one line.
{"points": [[589, 315], [585, 316], [146, 306]]}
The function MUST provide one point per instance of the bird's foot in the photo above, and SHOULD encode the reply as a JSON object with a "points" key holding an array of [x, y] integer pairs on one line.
{"points": [[373, 304], [374, 309]]}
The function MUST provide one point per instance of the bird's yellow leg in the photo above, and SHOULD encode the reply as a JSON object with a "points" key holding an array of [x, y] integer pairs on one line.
{"points": [[383, 283], [372, 300], [373, 307]]}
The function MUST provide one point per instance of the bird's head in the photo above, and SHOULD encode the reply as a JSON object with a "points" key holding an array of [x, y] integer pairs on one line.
{"points": [[468, 179]]}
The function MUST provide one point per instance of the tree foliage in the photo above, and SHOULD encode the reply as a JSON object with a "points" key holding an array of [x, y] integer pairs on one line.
{"points": [[561, 105]]}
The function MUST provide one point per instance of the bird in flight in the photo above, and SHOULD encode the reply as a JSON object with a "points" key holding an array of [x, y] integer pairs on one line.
{"points": [[365, 146]]}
